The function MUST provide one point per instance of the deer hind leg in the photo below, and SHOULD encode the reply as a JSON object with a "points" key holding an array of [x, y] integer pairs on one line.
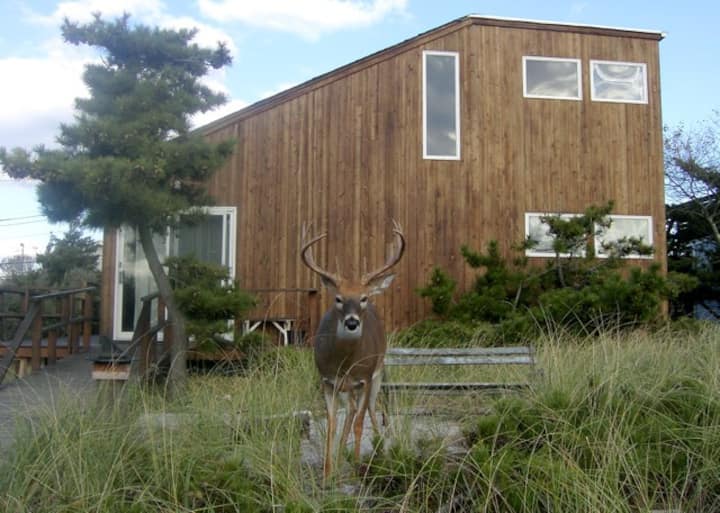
{"points": [[331, 405]]}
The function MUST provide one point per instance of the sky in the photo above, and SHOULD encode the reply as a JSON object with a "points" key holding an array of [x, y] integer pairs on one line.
{"points": [[277, 44]]}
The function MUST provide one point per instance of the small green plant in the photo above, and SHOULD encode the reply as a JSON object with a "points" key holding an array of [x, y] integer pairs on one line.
{"points": [[208, 299], [439, 290]]}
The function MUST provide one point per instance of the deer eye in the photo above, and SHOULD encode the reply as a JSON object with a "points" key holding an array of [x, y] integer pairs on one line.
{"points": [[363, 301], [338, 302]]}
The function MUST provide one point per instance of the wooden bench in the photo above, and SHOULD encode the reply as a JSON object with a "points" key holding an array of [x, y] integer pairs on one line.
{"points": [[410, 356]]}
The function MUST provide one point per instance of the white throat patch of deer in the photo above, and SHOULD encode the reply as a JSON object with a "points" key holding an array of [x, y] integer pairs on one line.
{"points": [[350, 344]]}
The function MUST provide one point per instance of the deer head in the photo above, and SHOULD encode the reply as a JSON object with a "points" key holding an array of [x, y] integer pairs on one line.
{"points": [[352, 297]]}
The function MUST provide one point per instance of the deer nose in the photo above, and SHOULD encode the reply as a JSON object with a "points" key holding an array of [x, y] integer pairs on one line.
{"points": [[352, 323]]}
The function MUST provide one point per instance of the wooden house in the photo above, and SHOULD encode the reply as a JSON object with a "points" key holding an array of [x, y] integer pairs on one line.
{"points": [[464, 134]]}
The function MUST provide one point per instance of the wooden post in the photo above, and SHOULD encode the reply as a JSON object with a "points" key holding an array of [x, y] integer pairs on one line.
{"points": [[73, 328], [145, 361], [2, 318], [36, 340], [167, 330], [26, 301], [52, 347], [314, 321], [87, 322], [64, 317]]}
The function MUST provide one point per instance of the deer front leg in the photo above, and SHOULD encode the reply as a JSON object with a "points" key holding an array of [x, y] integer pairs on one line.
{"points": [[350, 413], [360, 417], [372, 401], [331, 405]]}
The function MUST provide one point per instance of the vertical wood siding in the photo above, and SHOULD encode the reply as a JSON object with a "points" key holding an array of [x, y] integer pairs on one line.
{"points": [[347, 156]]}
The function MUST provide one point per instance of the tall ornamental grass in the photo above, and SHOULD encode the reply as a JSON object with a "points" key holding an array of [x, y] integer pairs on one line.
{"points": [[618, 423]]}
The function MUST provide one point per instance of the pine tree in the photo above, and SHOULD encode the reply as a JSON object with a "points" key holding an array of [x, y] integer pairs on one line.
{"points": [[130, 157]]}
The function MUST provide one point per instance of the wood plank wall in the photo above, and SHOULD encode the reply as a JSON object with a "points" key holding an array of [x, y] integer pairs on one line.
{"points": [[347, 156]]}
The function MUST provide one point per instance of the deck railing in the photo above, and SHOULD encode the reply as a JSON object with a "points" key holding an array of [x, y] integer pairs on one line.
{"points": [[72, 313]]}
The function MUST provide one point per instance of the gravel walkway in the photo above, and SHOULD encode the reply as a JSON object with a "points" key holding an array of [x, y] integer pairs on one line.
{"points": [[42, 391]]}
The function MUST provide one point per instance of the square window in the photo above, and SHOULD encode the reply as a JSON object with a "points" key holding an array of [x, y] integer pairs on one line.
{"points": [[552, 78], [639, 227], [624, 82], [539, 232]]}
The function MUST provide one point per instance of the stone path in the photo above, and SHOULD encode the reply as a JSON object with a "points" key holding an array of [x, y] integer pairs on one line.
{"points": [[43, 390]]}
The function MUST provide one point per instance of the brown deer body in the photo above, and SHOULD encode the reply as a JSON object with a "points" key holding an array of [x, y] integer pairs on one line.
{"points": [[350, 345]]}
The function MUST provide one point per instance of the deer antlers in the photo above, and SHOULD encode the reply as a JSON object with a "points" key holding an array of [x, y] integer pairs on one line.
{"points": [[334, 279], [393, 259], [309, 259]]}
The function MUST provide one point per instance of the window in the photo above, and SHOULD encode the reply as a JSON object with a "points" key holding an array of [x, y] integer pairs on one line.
{"points": [[441, 106], [539, 232], [618, 82], [639, 227], [553, 78]]}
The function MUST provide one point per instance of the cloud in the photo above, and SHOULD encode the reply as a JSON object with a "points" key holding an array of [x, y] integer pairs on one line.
{"points": [[309, 18], [82, 10], [39, 96], [579, 7], [152, 12], [40, 91], [205, 118]]}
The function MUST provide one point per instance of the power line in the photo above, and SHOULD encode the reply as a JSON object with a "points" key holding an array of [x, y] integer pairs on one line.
{"points": [[20, 217], [22, 223]]}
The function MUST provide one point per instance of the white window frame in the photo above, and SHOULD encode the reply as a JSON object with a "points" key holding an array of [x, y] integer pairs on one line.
{"points": [[649, 240], [642, 66], [456, 56], [531, 252], [229, 215], [577, 62]]}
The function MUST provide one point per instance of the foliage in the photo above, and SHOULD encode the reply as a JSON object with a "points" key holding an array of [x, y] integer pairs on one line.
{"points": [[208, 298], [442, 333], [130, 157], [574, 291], [440, 291], [70, 260], [692, 180]]}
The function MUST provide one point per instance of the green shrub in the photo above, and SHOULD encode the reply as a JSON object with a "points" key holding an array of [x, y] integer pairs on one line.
{"points": [[575, 294], [436, 333], [208, 299], [440, 291]]}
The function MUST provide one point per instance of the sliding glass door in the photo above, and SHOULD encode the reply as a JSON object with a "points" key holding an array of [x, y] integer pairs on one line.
{"points": [[210, 239]]}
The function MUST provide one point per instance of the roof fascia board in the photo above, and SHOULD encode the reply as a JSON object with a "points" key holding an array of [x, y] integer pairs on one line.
{"points": [[498, 21]]}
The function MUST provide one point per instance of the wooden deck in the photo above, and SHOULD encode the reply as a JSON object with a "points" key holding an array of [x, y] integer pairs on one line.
{"points": [[48, 355]]}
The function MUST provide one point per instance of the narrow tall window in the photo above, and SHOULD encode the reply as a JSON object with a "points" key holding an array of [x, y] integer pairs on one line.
{"points": [[441, 106], [624, 82], [552, 78]]}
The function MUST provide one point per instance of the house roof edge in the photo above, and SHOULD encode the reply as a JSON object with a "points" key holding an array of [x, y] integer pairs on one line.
{"points": [[422, 38]]}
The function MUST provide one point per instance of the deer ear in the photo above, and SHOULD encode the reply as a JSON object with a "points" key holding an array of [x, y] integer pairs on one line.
{"points": [[380, 284]]}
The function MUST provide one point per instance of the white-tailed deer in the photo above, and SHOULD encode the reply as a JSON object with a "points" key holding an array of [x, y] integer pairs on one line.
{"points": [[350, 344]]}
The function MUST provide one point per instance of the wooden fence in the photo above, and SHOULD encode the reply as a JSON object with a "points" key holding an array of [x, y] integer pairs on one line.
{"points": [[65, 313]]}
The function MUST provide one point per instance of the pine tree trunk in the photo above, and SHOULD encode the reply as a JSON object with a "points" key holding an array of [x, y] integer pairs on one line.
{"points": [[177, 377]]}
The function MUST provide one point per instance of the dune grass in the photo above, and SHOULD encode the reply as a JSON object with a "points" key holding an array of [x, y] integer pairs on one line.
{"points": [[617, 423]]}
